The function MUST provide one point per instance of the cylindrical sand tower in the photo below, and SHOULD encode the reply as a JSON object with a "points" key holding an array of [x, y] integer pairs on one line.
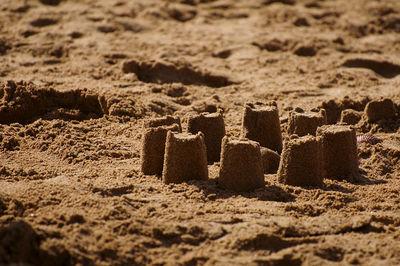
{"points": [[153, 146], [213, 127], [339, 151], [303, 124], [261, 124], [301, 162], [241, 165], [185, 158]]}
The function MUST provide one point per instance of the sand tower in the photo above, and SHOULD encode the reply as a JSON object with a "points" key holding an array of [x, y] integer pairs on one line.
{"points": [[153, 143], [261, 124], [241, 165], [301, 162], [350, 116], [213, 127], [339, 146], [153, 146], [380, 109], [185, 158], [303, 124]]}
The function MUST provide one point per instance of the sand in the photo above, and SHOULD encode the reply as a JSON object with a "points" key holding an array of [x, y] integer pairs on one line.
{"points": [[79, 78]]}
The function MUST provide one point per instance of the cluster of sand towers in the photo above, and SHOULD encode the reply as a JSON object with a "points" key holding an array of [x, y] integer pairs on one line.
{"points": [[313, 151]]}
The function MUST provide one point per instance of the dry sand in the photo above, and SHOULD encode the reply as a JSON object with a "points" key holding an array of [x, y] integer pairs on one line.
{"points": [[79, 77]]}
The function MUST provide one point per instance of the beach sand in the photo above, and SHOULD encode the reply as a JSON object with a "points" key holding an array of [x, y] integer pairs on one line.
{"points": [[78, 79]]}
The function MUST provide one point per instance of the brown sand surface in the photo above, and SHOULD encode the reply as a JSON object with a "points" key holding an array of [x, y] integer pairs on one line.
{"points": [[79, 77]]}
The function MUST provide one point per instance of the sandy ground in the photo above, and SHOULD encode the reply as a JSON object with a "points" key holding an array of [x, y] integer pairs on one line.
{"points": [[78, 78]]}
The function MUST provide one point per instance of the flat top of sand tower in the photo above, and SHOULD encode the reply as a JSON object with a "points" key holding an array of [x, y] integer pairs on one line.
{"points": [[268, 106], [308, 114], [333, 129], [208, 114], [302, 140], [261, 108], [185, 136], [215, 114], [161, 121], [242, 141], [205, 115], [172, 127]]}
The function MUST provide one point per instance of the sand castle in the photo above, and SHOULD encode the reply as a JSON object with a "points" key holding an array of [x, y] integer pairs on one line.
{"points": [[261, 123], [213, 127], [313, 152], [350, 116], [380, 109], [153, 146], [339, 148], [303, 124], [241, 165], [301, 163], [185, 158], [153, 143]]}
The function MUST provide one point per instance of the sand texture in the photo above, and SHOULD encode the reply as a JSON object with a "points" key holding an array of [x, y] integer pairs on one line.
{"points": [[81, 79]]}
